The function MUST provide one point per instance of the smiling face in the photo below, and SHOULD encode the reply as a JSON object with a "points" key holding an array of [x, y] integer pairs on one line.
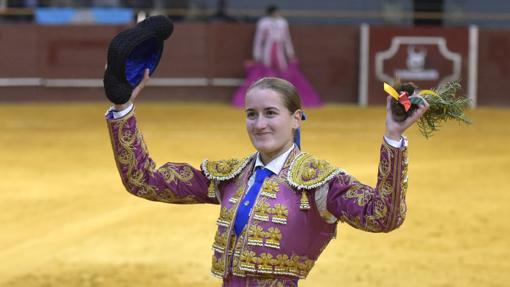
{"points": [[270, 124]]}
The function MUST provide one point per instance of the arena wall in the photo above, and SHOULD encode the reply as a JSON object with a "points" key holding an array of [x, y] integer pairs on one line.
{"points": [[202, 61]]}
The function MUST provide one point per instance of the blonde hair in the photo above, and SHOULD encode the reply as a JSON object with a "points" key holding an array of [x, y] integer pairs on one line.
{"points": [[286, 90]]}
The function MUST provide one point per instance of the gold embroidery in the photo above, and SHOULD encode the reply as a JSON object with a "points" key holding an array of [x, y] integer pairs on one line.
{"points": [[136, 178], [403, 210], [273, 238], [304, 203], [380, 209], [399, 179], [292, 265], [354, 221], [169, 196], [218, 266], [385, 188], [248, 260], [307, 172], [403, 207], [174, 173], [211, 190], [235, 267], [224, 169], [236, 259], [290, 158], [124, 156], [279, 264], [231, 244], [269, 188], [220, 241], [280, 214], [261, 211], [126, 137], [391, 180], [239, 193], [305, 266], [255, 235], [384, 167], [137, 173], [147, 191], [226, 216], [360, 193], [265, 263], [273, 282]]}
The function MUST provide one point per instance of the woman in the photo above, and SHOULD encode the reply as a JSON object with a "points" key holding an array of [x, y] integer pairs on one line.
{"points": [[274, 56], [279, 207]]}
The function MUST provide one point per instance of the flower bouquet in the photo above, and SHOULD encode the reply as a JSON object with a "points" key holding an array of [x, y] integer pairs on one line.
{"points": [[444, 105]]}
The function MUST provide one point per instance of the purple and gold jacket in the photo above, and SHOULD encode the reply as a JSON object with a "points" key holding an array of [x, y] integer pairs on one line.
{"points": [[295, 213]]}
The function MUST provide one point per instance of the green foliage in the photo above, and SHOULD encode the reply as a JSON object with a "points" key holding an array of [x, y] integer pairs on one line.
{"points": [[443, 107]]}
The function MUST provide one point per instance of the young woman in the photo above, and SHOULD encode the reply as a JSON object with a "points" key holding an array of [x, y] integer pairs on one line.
{"points": [[278, 207]]}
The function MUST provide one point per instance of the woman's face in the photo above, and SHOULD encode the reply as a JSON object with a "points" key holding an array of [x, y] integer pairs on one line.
{"points": [[269, 123]]}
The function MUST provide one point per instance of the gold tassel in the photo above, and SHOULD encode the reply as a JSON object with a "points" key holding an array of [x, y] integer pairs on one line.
{"points": [[304, 201], [211, 191]]}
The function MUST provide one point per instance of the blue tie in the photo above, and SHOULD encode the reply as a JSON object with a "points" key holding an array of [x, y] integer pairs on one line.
{"points": [[243, 212]]}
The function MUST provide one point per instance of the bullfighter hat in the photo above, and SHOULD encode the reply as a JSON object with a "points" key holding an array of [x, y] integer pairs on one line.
{"points": [[131, 52]]}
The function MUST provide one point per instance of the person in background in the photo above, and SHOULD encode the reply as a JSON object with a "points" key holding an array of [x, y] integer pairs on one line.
{"points": [[273, 55]]}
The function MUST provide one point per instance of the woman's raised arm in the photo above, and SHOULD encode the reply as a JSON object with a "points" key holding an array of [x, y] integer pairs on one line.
{"points": [[172, 182]]}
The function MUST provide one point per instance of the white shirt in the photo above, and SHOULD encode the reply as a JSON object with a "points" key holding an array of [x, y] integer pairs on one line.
{"points": [[119, 114], [275, 165]]}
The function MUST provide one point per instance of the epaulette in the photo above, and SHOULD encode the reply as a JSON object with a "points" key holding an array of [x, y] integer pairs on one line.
{"points": [[306, 172], [222, 170]]}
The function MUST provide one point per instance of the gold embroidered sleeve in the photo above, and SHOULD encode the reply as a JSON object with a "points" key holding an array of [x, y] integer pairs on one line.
{"points": [[379, 209], [173, 182]]}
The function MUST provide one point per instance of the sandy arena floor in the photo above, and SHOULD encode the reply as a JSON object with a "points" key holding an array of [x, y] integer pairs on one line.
{"points": [[66, 220]]}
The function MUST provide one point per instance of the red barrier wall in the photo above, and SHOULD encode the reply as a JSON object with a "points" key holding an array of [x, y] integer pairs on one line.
{"points": [[196, 50], [328, 54], [494, 68]]}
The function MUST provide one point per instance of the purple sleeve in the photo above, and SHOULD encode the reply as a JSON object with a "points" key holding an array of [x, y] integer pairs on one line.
{"points": [[379, 209], [172, 183]]}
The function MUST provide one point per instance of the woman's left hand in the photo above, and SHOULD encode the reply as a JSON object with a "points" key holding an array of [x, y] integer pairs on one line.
{"points": [[394, 130]]}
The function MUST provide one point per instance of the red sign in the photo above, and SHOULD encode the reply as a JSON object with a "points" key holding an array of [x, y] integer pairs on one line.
{"points": [[427, 57]]}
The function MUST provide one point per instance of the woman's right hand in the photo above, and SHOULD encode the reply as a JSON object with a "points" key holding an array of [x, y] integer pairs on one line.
{"points": [[394, 129], [135, 92]]}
